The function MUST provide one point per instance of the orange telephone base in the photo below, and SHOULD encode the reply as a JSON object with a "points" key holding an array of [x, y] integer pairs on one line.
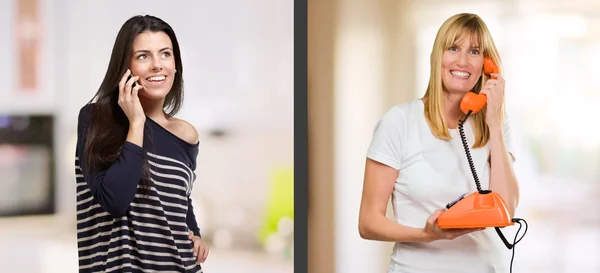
{"points": [[478, 210]]}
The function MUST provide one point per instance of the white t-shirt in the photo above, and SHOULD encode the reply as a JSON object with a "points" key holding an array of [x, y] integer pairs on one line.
{"points": [[432, 173]]}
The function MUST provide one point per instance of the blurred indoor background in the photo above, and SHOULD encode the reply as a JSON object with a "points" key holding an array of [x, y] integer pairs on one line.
{"points": [[238, 59], [365, 56]]}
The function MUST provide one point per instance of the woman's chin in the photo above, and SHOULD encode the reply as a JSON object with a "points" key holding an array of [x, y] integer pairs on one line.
{"points": [[153, 94], [458, 87], [458, 91]]}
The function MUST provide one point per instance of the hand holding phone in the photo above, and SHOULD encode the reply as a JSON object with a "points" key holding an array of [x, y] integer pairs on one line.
{"points": [[129, 78], [474, 102], [129, 100]]}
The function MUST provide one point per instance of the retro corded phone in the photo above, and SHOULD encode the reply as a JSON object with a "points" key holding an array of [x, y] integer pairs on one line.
{"points": [[483, 208]]}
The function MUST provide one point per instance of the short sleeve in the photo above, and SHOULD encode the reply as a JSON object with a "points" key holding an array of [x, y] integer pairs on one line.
{"points": [[386, 144], [508, 137]]}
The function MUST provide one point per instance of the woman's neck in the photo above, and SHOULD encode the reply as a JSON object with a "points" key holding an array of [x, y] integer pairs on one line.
{"points": [[153, 109], [451, 108]]}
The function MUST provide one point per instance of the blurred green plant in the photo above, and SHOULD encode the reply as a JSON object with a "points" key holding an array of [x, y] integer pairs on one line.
{"points": [[280, 201]]}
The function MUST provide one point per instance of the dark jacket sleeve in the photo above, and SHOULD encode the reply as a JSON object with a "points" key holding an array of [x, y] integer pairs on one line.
{"points": [[114, 188], [191, 219]]}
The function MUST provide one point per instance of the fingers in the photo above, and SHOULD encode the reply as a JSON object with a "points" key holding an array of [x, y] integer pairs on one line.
{"points": [[206, 252], [128, 88], [124, 80], [129, 84], [489, 86], [496, 80], [464, 231], [190, 235], [196, 248], [199, 257], [497, 77], [203, 254], [201, 251], [438, 212], [452, 234], [491, 82], [449, 234], [432, 220], [134, 94]]}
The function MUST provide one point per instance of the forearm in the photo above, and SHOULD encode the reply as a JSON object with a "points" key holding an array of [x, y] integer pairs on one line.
{"points": [[380, 228], [135, 134], [191, 219], [502, 177], [115, 187]]}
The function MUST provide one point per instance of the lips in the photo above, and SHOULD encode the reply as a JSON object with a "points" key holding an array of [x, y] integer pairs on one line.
{"points": [[156, 79], [460, 74]]}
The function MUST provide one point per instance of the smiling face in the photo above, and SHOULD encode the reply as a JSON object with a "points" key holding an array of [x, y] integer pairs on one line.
{"points": [[154, 63], [462, 65]]}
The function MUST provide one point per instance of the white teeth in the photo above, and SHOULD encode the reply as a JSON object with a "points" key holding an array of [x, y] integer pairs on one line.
{"points": [[157, 78], [460, 74]]}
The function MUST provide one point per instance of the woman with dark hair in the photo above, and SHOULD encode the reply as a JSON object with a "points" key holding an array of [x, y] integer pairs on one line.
{"points": [[135, 161]]}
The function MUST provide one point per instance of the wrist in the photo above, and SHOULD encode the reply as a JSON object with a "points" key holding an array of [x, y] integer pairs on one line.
{"points": [[137, 125], [425, 236], [135, 134], [495, 128]]}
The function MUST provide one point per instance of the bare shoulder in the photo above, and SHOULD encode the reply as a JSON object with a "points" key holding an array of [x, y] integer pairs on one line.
{"points": [[185, 131]]}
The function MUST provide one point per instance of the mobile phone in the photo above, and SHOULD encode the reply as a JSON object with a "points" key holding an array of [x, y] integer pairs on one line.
{"points": [[128, 78]]}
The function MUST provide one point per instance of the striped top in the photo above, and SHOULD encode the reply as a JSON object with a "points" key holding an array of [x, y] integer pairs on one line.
{"points": [[120, 229]]}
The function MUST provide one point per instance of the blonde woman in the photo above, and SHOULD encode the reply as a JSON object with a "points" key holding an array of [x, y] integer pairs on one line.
{"points": [[416, 157]]}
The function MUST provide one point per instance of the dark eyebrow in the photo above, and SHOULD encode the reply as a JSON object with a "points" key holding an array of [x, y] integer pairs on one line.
{"points": [[148, 51]]}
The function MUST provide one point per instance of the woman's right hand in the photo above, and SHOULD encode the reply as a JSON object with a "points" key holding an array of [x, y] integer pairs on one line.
{"points": [[129, 100], [434, 232]]}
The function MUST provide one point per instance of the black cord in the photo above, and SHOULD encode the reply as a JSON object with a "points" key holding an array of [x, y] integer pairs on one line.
{"points": [[478, 184], [468, 151], [515, 241]]}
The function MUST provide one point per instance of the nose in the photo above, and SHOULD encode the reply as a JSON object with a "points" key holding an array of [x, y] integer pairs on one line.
{"points": [[462, 59], [156, 65]]}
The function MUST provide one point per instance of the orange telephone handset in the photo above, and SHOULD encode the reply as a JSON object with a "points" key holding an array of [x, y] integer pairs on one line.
{"points": [[474, 102]]}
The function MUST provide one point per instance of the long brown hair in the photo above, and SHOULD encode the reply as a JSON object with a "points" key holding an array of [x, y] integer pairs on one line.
{"points": [[109, 125]]}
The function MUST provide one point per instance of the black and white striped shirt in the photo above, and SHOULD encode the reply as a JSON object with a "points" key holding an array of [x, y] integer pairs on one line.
{"points": [[120, 229]]}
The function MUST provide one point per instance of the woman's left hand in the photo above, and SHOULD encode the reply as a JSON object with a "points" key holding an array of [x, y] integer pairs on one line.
{"points": [[201, 249], [494, 91]]}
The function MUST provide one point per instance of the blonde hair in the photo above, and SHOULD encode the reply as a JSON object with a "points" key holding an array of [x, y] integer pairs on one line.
{"points": [[452, 31]]}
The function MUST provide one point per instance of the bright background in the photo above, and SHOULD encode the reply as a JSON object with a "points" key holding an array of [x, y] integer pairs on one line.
{"points": [[238, 59], [365, 56]]}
